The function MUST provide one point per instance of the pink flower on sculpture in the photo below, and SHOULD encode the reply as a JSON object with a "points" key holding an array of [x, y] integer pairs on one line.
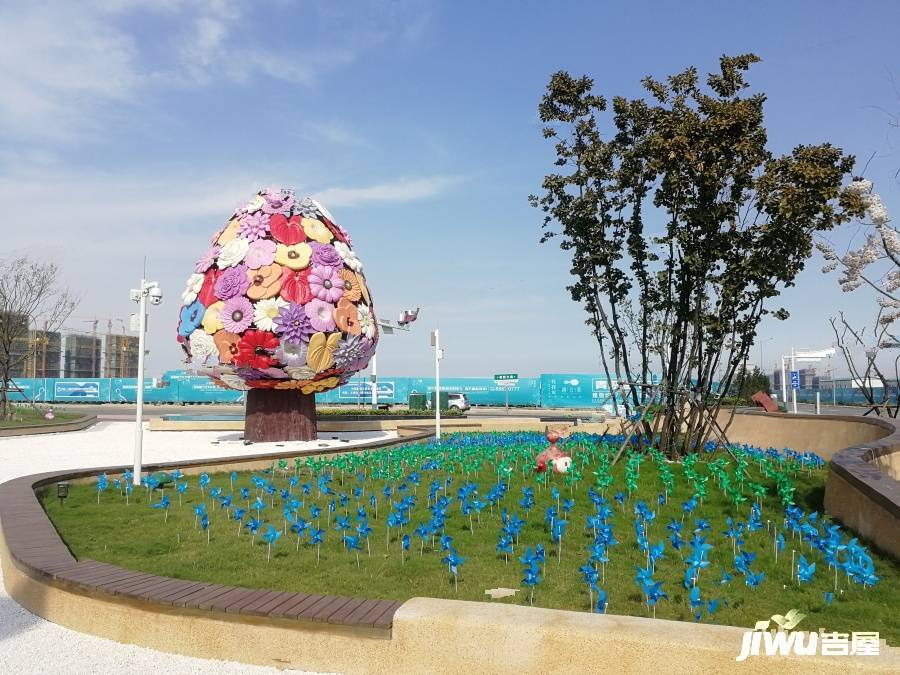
{"points": [[277, 201], [234, 281], [260, 253], [254, 226], [237, 314], [325, 255], [325, 283], [207, 260], [321, 315]]}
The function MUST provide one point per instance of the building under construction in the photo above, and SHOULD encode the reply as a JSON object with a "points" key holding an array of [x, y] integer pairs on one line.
{"points": [[121, 356], [83, 356], [34, 353]]}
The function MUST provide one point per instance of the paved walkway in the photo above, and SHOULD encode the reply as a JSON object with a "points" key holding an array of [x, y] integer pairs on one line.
{"points": [[28, 644]]}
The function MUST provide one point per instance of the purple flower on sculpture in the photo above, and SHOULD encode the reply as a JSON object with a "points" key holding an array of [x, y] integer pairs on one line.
{"points": [[207, 260], [325, 283], [232, 282], [260, 253], [293, 325], [236, 314], [277, 201], [325, 255], [321, 314], [292, 354], [353, 353], [254, 226]]}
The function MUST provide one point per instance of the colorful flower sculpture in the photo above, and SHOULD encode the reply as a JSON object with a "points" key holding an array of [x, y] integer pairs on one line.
{"points": [[279, 300]]}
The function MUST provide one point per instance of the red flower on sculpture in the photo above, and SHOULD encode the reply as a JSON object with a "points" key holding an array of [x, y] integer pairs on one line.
{"points": [[286, 230], [295, 286], [207, 293], [256, 349]]}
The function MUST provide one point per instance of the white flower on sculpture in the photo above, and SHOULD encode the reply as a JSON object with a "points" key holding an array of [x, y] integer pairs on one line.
{"points": [[348, 256], [366, 322], [233, 252], [202, 345], [266, 311], [192, 288]]}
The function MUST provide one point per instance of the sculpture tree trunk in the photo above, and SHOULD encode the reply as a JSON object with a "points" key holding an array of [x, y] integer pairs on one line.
{"points": [[280, 415]]}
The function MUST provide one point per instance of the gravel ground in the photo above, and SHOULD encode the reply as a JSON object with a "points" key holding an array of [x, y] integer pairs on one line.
{"points": [[28, 644]]}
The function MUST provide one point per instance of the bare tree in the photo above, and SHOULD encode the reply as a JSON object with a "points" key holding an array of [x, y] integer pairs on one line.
{"points": [[29, 293]]}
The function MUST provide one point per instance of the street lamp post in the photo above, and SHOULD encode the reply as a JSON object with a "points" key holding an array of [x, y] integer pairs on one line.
{"points": [[151, 290], [388, 327], [438, 355]]}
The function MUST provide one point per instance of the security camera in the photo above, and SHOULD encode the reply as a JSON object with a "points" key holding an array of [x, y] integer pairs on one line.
{"points": [[155, 295]]}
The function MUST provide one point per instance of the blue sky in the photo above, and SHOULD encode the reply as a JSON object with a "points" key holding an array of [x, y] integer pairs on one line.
{"points": [[134, 127]]}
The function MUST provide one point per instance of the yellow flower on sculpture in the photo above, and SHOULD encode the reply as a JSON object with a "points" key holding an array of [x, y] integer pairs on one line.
{"points": [[320, 385], [212, 320], [295, 256], [320, 355], [316, 230], [229, 233]]}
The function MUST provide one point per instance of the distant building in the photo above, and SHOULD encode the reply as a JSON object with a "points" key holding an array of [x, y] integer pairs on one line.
{"points": [[34, 353], [121, 356], [83, 356]]}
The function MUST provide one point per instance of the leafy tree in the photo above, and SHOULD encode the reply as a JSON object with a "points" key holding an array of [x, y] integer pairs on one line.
{"points": [[747, 382], [682, 226]]}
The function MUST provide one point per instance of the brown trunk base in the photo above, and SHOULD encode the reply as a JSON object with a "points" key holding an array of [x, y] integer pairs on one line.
{"points": [[280, 415]]}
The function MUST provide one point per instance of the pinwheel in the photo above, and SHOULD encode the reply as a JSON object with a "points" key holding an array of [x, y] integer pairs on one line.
{"points": [[531, 579], [559, 528], [204, 524], [590, 576], [653, 593], [253, 526], [316, 536], [602, 603], [725, 578], [404, 546], [363, 531], [454, 562], [162, 504], [805, 570], [696, 602], [102, 484], [352, 544], [204, 481], [238, 515], [270, 537], [656, 553], [620, 499]]}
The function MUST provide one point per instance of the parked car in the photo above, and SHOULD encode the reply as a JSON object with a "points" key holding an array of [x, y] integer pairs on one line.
{"points": [[458, 401]]}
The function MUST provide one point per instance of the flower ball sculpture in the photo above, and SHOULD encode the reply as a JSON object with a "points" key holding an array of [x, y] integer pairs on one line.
{"points": [[278, 306]]}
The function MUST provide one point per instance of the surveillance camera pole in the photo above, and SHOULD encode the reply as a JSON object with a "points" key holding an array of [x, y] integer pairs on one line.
{"points": [[140, 296], [438, 355]]}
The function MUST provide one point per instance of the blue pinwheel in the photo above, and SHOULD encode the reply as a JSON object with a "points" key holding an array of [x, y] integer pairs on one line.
{"points": [[102, 485], [270, 537], [352, 544], [590, 576], [454, 562], [602, 602], [754, 580], [805, 570], [531, 578], [162, 504], [696, 603], [204, 481], [404, 546], [316, 536]]}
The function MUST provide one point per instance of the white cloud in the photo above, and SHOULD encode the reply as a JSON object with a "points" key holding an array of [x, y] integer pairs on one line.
{"points": [[68, 68], [402, 190], [60, 67]]}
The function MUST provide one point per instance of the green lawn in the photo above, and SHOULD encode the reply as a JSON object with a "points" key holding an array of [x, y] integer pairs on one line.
{"points": [[139, 537], [25, 416]]}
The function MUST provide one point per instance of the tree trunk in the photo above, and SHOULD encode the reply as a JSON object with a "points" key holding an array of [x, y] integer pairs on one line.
{"points": [[280, 415]]}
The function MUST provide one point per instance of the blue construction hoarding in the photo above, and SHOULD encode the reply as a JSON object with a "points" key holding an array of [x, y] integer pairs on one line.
{"points": [[556, 390]]}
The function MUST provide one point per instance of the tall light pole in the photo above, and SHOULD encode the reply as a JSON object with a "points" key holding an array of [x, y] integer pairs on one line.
{"points": [[151, 290], [438, 355]]}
